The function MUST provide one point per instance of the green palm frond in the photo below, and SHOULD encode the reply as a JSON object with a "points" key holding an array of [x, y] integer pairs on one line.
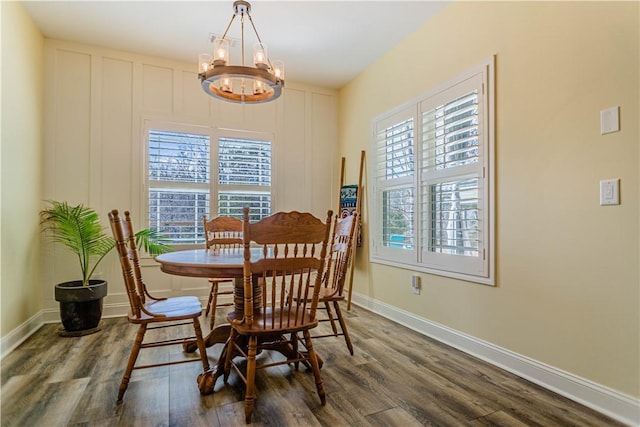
{"points": [[79, 229], [152, 242]]}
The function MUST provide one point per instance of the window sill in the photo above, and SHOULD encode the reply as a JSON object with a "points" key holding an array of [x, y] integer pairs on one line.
{"points": [[489, 281]]}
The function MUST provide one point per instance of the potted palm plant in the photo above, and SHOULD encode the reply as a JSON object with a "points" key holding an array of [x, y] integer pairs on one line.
{"points": [[79, 229]]}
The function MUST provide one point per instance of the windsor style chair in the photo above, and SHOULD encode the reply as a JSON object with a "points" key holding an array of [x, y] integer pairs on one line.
{"points": [[294, 246], [148, 312]]}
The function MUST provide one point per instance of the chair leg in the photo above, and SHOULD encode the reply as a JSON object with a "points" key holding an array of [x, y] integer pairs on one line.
{"points": [[214, 303], [314, 366], [200, 341], [294, 346], [133, 356], [249, 398], [206, 311], [327, 307], [343, 326], [229, 355]]}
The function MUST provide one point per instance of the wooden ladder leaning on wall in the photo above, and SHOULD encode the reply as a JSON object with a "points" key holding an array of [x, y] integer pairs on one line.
{"points": [[351, 266]]}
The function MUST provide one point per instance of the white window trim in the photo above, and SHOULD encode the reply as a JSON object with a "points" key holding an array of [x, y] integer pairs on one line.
{"points": [[413, 259]]}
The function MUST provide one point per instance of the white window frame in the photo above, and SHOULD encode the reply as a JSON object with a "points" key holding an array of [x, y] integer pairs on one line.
{"points": [[417, 256], [214, 134]]}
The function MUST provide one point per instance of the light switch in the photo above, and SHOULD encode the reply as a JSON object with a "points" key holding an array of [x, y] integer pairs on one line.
{"points": [[609, 120], [609, 192]]}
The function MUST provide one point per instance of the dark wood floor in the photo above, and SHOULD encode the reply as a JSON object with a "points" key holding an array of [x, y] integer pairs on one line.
{"points": [[397, 377]]}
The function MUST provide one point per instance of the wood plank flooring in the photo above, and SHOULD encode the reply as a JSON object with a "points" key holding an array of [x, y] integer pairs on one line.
{"points": [[52, 381]]}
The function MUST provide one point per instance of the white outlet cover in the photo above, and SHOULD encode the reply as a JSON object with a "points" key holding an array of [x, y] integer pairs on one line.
{"points": [[609, 192], [609, 120]]}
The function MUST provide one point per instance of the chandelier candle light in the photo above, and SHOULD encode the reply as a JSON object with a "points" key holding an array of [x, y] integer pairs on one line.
{"points": [[240, 83]]}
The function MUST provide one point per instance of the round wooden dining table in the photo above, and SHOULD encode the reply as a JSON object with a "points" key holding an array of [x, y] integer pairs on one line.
{"points": [[205, 262], [218, 263]]}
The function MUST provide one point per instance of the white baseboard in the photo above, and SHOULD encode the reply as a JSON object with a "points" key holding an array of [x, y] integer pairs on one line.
{"points": [[115, 310], [16, 337], [619, 406]]}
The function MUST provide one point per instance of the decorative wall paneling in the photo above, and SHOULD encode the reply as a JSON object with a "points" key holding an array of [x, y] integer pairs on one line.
{"points": [[98, 100]]}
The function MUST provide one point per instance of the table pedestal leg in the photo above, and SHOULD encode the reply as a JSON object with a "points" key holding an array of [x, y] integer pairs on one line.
{"points": [[207, 379], [218, 335]]}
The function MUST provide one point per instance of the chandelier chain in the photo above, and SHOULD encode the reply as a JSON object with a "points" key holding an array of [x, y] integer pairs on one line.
{"points": [[229, 26], [258, 37], [242, 36]]}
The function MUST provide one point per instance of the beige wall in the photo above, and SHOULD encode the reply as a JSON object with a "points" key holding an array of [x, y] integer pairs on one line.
{"points": [[21, 181], [97, 102], [567, 291]]}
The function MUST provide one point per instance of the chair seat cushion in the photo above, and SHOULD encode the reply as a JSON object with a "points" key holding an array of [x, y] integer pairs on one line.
{"points": [[177, 307]]}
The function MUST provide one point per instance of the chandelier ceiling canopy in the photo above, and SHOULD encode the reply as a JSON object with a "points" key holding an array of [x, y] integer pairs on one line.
{"points": [[262, 81]]}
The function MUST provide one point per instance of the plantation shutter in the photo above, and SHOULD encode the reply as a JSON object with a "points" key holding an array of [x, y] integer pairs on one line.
{"points": [[244, 177], [452, 178], [194, 171], [179, 183], [395, 186]]}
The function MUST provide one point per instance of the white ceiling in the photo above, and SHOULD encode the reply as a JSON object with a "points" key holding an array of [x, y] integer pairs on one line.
{"points": [[324, 43]]}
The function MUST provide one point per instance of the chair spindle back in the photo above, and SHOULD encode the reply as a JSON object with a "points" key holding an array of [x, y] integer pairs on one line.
{"points": [[122, 229], [294, 247], [222, 232], [340, 253]]}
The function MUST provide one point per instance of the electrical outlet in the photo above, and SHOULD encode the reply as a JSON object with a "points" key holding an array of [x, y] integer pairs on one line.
{"points": [[610, 192], [415, 284]]}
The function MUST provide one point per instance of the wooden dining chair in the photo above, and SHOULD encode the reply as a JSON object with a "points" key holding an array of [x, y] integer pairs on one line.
{"points": [[221, 232], [151, 313], [335, 275], [294, 247]]}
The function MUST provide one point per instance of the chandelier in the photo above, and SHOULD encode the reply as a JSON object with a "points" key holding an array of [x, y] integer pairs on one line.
{"points": [[262, 82]]}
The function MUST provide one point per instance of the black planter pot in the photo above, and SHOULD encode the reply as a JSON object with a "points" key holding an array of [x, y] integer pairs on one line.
{"points": [[80, 306]]}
